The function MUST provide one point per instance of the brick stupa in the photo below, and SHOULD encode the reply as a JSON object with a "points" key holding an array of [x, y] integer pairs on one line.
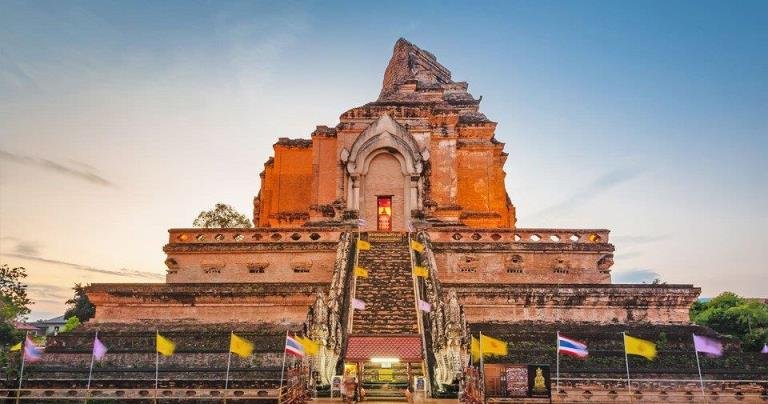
{"points": [[421, 162]]}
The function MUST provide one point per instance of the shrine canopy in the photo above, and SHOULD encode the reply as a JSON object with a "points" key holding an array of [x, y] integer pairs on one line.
{"points": [[365, 348]]}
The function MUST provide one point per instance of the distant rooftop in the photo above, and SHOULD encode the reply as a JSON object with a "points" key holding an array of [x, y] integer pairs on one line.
{"points": [[56, 320]]}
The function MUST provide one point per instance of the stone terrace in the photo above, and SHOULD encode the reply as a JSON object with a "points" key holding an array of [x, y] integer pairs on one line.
{"points": [[534, 342], [199, 361]]}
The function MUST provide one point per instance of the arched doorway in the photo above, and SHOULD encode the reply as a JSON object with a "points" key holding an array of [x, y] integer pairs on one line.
{"points": [[384, 166], [383, 187]]}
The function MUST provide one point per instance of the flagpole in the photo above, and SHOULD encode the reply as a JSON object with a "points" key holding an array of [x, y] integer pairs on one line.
{"points": [[229, 362], [626, 362], [23, 359], [282, 371], [698, 365], [557, 360], [157, 363], [90, 370], [482, 370]]}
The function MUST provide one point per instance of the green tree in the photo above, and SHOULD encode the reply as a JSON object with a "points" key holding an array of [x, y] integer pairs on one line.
{"points": [[222, 216], [79, 306], [13, 303], [14, 291], [9, 335], [72, 323], [730, 314]]}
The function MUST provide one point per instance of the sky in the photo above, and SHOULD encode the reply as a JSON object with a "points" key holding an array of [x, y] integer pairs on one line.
{"points": [[120, 120]]}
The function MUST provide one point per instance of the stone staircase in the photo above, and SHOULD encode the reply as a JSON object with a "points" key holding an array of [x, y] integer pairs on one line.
{"points": [[388, 289]]}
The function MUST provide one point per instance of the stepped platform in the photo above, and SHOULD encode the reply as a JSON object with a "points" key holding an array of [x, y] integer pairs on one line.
{"points": [[534, 342], [199, 363], [601, 377]]}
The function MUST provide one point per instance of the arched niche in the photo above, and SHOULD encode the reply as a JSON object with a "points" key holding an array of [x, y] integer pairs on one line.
{"points": [[384, 142]]}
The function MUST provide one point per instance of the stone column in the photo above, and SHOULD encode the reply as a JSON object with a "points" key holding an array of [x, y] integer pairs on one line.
{"points": [[354, 190], [414, 192]]}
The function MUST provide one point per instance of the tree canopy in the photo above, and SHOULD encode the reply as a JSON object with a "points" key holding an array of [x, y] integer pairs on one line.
{"points": [[79, 306], [72, 323], [14, 303], [13, 291], [222, 216], [731, 314]]}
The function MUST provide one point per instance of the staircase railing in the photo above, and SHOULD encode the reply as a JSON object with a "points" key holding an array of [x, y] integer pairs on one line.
{"points": [[328, 319], [445, 329], [346, 278]]}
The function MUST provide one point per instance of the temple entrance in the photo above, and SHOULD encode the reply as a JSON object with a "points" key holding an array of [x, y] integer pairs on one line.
{"points": [[383, 194], [386, 364], [384, 160], [385, 378], [384, 213]]}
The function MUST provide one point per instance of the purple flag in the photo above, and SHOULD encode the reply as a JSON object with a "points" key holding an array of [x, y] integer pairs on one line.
{"points": [[707, 345], [424, 306], [32, 353], [765, 348], [99, 349], [358, 304]]}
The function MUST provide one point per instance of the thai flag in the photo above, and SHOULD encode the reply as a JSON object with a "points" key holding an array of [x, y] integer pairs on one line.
{"points": [[293, 347], [32, 353], [572, 347]]}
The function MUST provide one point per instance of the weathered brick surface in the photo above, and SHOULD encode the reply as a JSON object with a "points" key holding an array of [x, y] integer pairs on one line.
{"points": [[462, 178], [199, 361], [285, 198], [654, 304], [204, 303], [254, 267]]}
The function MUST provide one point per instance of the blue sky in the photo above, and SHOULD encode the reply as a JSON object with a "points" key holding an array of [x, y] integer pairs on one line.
{"points": [[119, 120]]}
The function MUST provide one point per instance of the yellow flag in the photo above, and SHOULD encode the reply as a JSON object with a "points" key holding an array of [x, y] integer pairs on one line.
{"points": [[420, 271], [475, 350], [310, 347], [640, 347], [363, 245], [492, 346], [165, 346], [361, 272], [240, 346], [16, 347], [416, 246]]}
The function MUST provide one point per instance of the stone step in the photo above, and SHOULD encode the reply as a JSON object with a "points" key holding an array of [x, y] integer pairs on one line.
{"points": [[386, 237]]}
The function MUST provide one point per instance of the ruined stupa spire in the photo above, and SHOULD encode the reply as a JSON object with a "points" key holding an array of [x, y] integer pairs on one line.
{"points": [[410, 63]]}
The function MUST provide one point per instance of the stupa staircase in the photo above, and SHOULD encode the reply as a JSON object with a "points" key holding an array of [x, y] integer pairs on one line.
{"points": [[388, 290], [390, 305]]}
